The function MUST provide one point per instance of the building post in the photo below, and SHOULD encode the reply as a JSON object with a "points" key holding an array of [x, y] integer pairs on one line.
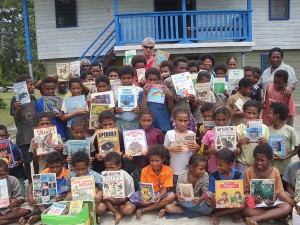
{"points": [[184, 24], [116, 18], [243, 59], [249, 8]]}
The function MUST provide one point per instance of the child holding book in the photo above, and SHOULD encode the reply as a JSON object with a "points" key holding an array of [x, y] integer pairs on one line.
{"points": [[102, 84], [281, 207], [96, 69], [119, 206], [277, 117], [256, 90], [138, 62], [62, 89], [221, 72], [166, 69], [193, 67]]}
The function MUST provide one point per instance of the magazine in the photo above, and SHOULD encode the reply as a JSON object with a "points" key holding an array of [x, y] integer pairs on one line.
{"points": [[83, 188], [57, 209], [52, 104], [159, 57], [113, 184], [75, 103], [225, 137], [46, 138], [4, 198], [156, 94], [95, 110], [108, 140], [186, 191], [234, 77], [140, 74], [75, 68], [229, 193], [104, 98], [297, 187], [21, 92], [147, 192], [203, 92], [254, 130], [6, 152], [128, 56], [135, 142], [277, 145], [91, 86], [183, 85], [127, 97], [219, 85], [184, 139], [75, 146], [265, 188], [44, 188], [63, 70], [75, 207]]}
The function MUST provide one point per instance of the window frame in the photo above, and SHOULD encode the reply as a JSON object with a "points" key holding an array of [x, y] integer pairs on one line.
{"points": [[264, 61], [288, 11], [57, 18]]}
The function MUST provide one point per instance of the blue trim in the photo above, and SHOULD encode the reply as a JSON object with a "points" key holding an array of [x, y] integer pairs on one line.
{"points": [[27, 31], [288, 11], [264, 61]]}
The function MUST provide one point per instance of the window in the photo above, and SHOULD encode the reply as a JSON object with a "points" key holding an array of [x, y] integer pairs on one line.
{"points": [[66, 15], [279, 9], [265, 61]]}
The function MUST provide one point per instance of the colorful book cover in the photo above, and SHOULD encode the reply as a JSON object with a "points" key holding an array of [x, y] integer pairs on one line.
{"points": [[75, 207], [128, 56], [83, 188], [234, 77], [186, 191], [209, 124], [191, 84], [52, 104], [78, 146], [108, 140], [225, 137], [135, 142], [185, 139], [113, 184], [203, 92], [95, 110], [297, 187], [63, 70], [229, 193], [182, 85], [254, 130], [265, 188], [115, 84], [104, 98], [127, 97], [75, 68], [140, 73], [46, 138], [57, 209], [156, 94], [159, 57], [21, 92], [219, 85], [6, 152], [91, 86], [147, 192], [4, 198], [75, 103], [277, 144], [44, 188]]}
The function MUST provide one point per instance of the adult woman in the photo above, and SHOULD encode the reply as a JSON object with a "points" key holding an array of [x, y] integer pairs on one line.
{"points": [[208, 63], [232, 62], [148, 47]]}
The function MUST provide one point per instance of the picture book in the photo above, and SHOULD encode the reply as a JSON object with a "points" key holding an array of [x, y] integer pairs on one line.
{"points": [[135, 142], [225, 137], [185, 139], [75, 207], [209, 124], [83, 188], [156, 94], [277, 144], [194, 78], [254, 130], [140, 73], [6, 152], [57, 209], [128, 56], [75, 103], [95, 110], [159, 57], [297, 187], [186, 191], [219, 85], [115, 84], [78, 146], [44, 188], [234, 77], [75, 68], [229, 193], [46, 138], [52, 104], [182, 85], [203, 92], [108, 140], [63, 70], [104, 98], [127, 97], [239, 104], [147, 192], [113, 184], [21, 92], [91, 86], [4, 197], [265, 188]]}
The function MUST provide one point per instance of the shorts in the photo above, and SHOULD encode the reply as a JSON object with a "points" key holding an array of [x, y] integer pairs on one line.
{"points": [[27, 156]]}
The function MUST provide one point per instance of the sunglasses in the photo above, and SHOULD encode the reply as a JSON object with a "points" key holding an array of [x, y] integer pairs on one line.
{"points": [[148, 47]]}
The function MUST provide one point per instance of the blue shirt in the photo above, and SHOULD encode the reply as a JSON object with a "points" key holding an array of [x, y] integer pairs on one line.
{"points": [[97, 177]]}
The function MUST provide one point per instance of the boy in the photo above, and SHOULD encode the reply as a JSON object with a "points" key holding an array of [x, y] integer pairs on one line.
{"points": [[243, 92], [166, 69], [96, 69], [193, 67], [62, 89], [24, 119], [86, 76], [119, 206], [277, 117], [256, 91], [112, 73]]}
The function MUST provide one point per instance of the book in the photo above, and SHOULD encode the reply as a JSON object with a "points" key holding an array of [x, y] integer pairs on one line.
{"points": [[186, 191], [113, 184], [209, 124], [203, 92], [83, 188], [265, 188], [63, 70], [159, 57], [156, 94], [140, 73], [254, 130], [239, 104], [135, 142], [21, 92], [75, 68], [4, 198], [225, 137], [46, 138], [277, 145], [128, 56], [297, 187], [115, 84], [108, 140], [75, 103], [95, 110], [127, 97], [44, 188], [147, 192], [78, 146], [75, 207], [184, 139], [52, 104], [6, 152], [57, 209], [234, 77], [104, 98], [219, 85], [229, 193], [182, 85], [91, 86]]}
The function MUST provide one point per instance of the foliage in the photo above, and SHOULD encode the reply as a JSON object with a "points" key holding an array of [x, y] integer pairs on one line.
{"points": [[2, 103], [266, 191]]}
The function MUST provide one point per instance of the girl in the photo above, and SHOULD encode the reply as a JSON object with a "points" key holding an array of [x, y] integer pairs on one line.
{"points": [[232, 62], [166, 69]]}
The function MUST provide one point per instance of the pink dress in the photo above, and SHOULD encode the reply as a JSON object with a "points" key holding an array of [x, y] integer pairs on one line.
{"points": [[209, 140]]}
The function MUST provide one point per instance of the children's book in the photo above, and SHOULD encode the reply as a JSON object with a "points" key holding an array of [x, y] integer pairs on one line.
{"points": [[115, 84], [254, 130], [95, 110], [209, 124], [83, 188], [75, 207], [159, 57], [57, 209], [183, 85], [277, 144], [229, 193], [91, 86], [239, 104], [186, 191], [203, 92], [78, 146], [297, 187], [147, 192], [63, 70], [6, 152], [219, 85], [135, 142], [52, 104], [4, 198], [234, 77], [140, 73], [75, 68], [128, 56], [75, 103], [104, 98], [225, 137], [46, 138], [21, 92], [265, 188], [44, 188], [185, 139], [108, 140], [127, 97], [113, 184], [156, 94]]}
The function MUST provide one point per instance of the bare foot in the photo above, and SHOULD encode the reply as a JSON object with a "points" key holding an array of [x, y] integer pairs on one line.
{"points": [[214, 219], [22, 221], [236, 218], [33, 219], [99, 219], [139, 213], [118, 217], [249, 221], [161, 213]]}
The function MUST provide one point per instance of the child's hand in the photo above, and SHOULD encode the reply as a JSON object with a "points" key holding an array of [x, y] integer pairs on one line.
{"points": [[58, 147], [237, 151], [59, 197], [193, 147], [128, 156], [81, 112], [118, 110], [177, 98], [175, 149], [197, 200], [269, 202], [99, 156], [14, 203], [68, 197], [68, 160], [167, 92], [244, 141], [91, 161], [226, 93], [257, 200], [212, 200], [180, 199], [213, 151], [146, 89], [31, 200], [35, 146], [277, 157], [54, 113], [198, 103], [98, 199], [262, 140], [18, 105], [136, 109], [143, 81], [191, 98]]}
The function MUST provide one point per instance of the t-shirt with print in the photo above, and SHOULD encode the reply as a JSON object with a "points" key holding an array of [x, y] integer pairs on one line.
{"points": [[61, 179], [289, 175]]}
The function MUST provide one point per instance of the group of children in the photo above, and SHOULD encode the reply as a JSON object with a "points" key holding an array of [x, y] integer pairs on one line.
{"points": [[166, 164]]}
